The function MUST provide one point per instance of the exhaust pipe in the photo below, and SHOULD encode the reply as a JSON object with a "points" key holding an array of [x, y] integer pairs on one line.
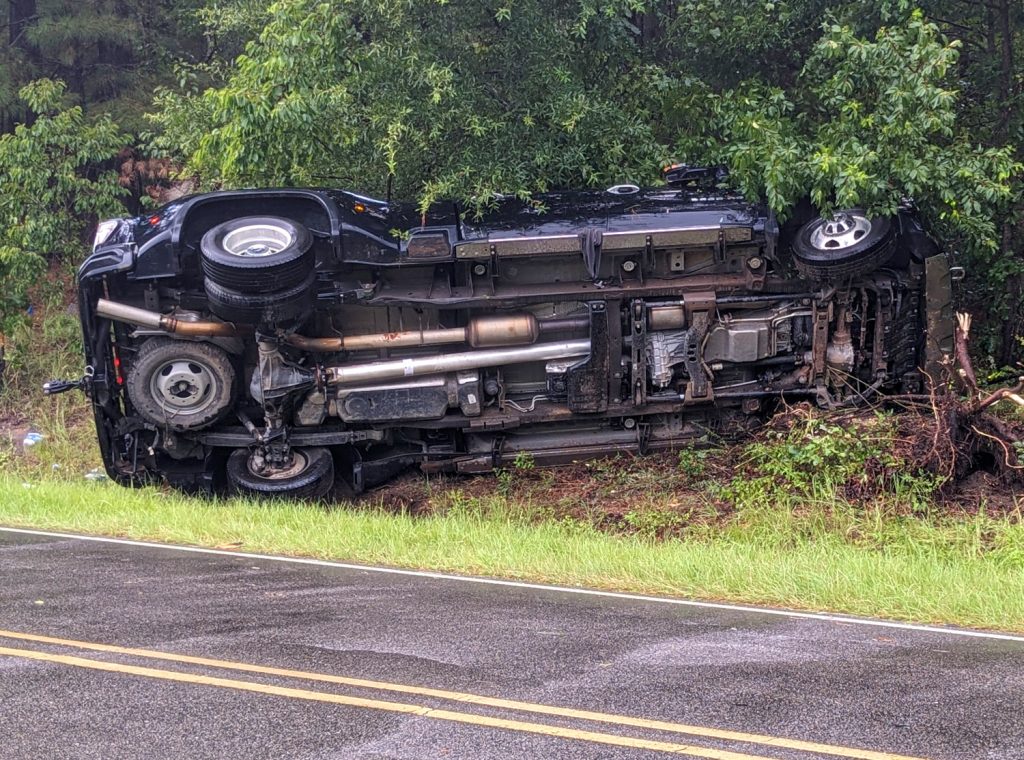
{"points": [[438, 364], [491, 331], [120, 312]]}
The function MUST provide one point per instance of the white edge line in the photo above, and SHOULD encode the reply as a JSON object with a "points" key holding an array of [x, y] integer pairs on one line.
{"points": [[534, 586]]}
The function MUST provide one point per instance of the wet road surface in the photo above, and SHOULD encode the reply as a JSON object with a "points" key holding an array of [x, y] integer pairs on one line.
{"points": [[119, 651]]}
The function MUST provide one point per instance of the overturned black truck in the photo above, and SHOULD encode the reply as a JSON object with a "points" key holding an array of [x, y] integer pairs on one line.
{"points": [[275, 341]]}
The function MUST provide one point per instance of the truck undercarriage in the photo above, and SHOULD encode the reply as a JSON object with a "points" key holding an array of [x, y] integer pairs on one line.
{"points": [[274, 341]]}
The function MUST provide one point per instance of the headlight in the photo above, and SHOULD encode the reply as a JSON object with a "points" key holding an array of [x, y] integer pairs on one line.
{"points": [[103, 232]]}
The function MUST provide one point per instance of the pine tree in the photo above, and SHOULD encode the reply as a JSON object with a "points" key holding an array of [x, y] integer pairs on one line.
{"points": [[111, 53]]}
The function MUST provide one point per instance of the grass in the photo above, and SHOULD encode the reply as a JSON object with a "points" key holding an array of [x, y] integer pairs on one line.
{"points": [[965, 571], [817, 515]]}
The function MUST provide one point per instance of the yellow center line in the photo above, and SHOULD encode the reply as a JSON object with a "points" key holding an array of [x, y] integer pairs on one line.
{"points": [[505, 704], [374, 704]]}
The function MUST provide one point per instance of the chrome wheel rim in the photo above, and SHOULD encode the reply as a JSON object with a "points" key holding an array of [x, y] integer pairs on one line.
{"points": [[184, 386], [844, 230], [257, 240]]}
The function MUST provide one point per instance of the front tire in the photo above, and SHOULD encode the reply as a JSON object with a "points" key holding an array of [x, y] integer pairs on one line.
{"points": [[181, 385], [310, 477]]}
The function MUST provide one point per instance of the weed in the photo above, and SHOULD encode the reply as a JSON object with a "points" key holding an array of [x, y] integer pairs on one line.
{"points": [[457, 503], [814, 462], [506, 481], [524, 461], [693, 462], [511, 479], [653, 523]]}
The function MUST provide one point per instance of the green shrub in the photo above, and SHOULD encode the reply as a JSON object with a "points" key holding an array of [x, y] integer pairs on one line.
{"points": [[52, 190], [818, 461], [693, 462]]}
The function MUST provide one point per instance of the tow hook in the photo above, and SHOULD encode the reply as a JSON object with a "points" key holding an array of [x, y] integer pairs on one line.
{"points": [[55, 387]]}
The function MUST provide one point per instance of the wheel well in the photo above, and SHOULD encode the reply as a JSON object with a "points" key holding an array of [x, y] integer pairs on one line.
{"points": [[206, 214]]}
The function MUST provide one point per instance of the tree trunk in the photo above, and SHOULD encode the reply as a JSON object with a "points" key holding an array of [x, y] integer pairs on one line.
{"points": [[1010, 349], [1000, 17], [1005, 66], [20, 14]]}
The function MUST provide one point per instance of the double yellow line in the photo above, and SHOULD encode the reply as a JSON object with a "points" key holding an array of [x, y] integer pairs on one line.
{"points": [[421, 710]]}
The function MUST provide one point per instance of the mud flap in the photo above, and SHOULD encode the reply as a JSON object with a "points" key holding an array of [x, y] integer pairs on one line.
{"points": [[588, 381], [939, 318]]}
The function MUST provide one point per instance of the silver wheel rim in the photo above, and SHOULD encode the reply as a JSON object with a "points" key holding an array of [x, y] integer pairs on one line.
{"points": [[844, 230], [184, 386], [299, 463], [257, 240]]}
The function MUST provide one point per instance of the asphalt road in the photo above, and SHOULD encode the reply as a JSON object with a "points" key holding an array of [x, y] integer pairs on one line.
{"points": [[115, 651]]}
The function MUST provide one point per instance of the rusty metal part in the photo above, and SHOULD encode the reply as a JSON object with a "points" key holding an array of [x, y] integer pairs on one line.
{"points": [[699, 307], [132, 315], [441, 363], [819, 347]]}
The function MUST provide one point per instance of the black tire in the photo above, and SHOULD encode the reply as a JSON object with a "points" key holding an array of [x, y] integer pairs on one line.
{"points": [[289, 305], [282, 254], [848, 245], [181, 385], [313, 479]]}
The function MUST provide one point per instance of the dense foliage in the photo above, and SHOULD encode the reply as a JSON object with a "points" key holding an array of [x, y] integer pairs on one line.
{"points": [[450, 98], [52, 186], [850, 103]]}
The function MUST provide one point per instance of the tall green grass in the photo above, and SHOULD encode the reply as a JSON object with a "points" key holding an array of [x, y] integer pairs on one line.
{"points": [[46, 346]]}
